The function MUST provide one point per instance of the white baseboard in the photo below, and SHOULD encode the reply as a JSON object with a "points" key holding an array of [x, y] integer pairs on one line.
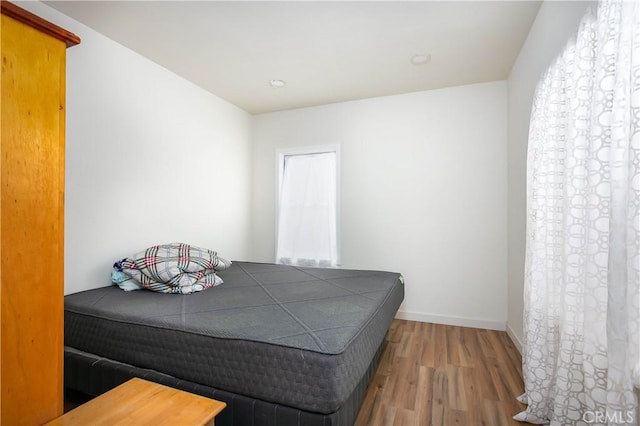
{"points": [[458, 321], [514, 338]]}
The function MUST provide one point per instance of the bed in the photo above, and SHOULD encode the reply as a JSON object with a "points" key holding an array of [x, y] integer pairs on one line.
{"points": [[279, 344]]}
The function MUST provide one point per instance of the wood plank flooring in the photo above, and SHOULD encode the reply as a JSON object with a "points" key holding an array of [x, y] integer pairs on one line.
{"points": [[432, 374]]}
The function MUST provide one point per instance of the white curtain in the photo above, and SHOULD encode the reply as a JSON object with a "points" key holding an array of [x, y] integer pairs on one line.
{"points": [[582, 273], [307, 231]]}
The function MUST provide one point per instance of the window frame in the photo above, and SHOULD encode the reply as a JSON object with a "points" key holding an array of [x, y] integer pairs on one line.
{"points": [[281, 154]]}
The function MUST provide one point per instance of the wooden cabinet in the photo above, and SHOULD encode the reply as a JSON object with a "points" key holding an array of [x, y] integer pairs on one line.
{"points": [[31, 216]]}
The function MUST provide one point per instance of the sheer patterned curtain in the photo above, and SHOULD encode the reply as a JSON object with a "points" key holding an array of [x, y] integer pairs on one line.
{"points": [[582, 275], [307, 227]]}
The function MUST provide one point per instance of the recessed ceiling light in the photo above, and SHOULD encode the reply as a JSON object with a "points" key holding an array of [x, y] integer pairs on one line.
{"points": [[277, 84], [420, 59]]}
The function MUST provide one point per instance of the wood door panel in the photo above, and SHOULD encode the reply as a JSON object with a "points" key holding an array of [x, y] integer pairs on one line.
{"points": [[32, 154]]}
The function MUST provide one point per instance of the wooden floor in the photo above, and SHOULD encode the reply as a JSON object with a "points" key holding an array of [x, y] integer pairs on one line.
{"points": [[431, 374]]}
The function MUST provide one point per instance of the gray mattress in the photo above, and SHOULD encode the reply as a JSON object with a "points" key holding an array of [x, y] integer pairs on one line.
{"points": [[300, 337]]}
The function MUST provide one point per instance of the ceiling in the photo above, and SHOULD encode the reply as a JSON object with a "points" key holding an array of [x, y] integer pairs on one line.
{"points": [[326, 51]]}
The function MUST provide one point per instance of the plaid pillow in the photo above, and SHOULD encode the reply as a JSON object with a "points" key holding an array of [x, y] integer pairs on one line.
{"points": [[171, 268]]}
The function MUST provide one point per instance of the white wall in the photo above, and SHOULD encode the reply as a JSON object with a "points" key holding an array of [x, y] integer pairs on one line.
{"points": [[424, 180], [151, 158], [424, 187], [555, 24]]}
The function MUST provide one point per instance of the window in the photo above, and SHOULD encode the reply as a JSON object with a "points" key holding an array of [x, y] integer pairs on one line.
{"points": [[307, 216]]}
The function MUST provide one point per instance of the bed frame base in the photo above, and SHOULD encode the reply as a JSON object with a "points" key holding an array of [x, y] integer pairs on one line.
{"points": [[94, 375]]}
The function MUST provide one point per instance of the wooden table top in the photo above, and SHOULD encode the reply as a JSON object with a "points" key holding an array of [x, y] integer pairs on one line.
{"points": [[140, 402]]}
